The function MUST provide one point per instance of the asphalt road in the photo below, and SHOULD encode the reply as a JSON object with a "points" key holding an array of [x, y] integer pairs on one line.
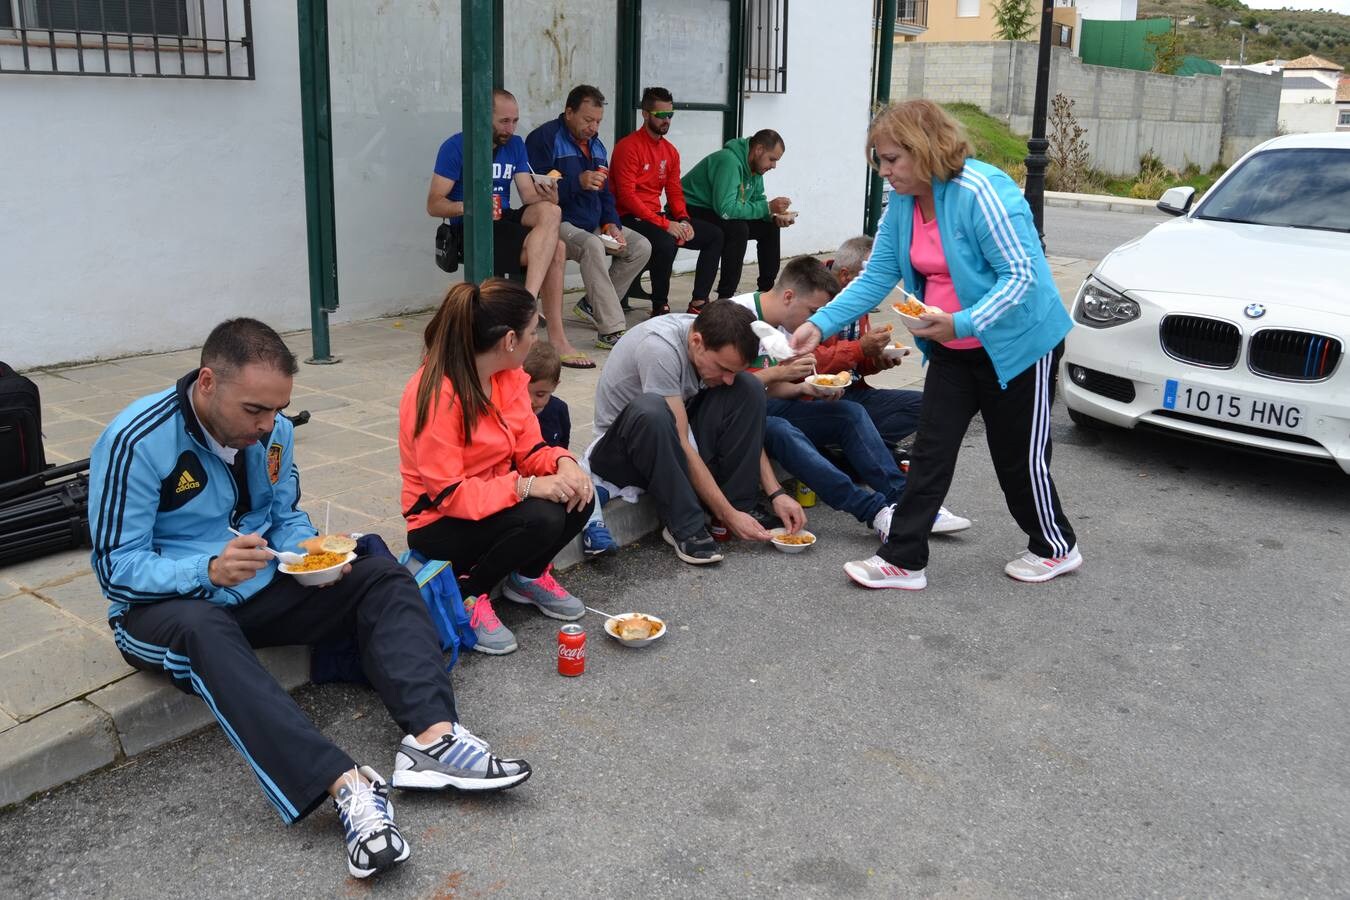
{"points": [[1090, 233], [1170, 720]]}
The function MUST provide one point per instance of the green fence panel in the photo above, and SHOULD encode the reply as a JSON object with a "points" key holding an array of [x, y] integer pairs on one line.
{"points": [[1120, 44]]}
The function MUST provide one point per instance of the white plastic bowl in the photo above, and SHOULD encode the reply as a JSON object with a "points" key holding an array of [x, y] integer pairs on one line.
{"points": [[893, 352], [611, 629], [815, 381], [318, 576], [791, 548], [610, 244]]}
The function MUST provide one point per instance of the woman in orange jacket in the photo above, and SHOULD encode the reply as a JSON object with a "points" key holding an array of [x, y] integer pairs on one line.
{"points": [[480, 487]]}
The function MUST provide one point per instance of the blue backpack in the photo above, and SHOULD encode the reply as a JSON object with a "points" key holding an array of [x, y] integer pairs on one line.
{"points": [[440, 591]]}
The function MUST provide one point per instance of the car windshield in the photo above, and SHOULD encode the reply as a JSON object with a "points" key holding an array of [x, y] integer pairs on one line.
{"points": [[1294, 188]]}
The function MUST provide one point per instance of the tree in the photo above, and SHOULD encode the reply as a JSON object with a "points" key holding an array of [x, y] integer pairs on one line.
{"points": [[1167, 51], [1013, 20]]}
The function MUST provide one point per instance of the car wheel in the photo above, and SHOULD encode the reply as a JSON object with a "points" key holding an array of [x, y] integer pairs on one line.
{"points": [[1083, 420]]}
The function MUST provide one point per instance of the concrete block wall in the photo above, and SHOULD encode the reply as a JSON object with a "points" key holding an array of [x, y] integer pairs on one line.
{"points": [[1251, 111], [1126, 113]]}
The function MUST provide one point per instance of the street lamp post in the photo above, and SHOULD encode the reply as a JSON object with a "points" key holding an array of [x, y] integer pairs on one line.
{"points": [[1037, 146]]}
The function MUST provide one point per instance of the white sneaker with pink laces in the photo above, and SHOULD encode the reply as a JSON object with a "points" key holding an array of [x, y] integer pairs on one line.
{"points": [[544, 592], [493, 637], [1032, 568]]}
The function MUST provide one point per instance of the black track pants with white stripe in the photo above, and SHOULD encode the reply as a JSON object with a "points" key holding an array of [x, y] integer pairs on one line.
{"points": [[208, 651], [959, 384]]}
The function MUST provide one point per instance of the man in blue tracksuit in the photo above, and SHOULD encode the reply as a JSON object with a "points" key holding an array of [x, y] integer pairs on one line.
{"points": [[169, 479], [570, 146]]}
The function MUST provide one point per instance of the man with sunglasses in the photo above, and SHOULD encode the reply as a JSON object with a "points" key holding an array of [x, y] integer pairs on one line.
{"points": [[645, 164]]}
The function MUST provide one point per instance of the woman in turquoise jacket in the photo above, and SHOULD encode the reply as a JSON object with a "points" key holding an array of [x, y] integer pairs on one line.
{"points": [[960, 236]]}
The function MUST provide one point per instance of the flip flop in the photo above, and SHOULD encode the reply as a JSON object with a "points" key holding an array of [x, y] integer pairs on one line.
{"points": [[577, 361]]}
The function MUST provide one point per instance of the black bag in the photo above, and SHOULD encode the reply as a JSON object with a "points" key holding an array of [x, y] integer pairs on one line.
{"points": [[44, 513], [449, 247], [20, 427]]}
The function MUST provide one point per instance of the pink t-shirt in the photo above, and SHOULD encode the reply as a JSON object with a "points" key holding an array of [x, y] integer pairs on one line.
{"points": [[925, 254]]}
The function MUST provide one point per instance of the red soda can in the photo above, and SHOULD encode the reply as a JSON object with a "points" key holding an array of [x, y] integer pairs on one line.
{"points": [[571, 650], [496, 206]]}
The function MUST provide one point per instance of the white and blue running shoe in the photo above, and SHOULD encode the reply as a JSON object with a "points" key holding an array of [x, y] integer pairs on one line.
{"points": [[374, 842]]}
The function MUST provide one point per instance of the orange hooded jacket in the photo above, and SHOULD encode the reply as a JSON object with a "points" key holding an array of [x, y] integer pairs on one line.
{"points": [[446, 477]]}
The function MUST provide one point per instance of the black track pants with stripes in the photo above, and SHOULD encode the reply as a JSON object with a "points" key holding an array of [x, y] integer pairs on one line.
{"points": [[959, 384], [208, 651]]}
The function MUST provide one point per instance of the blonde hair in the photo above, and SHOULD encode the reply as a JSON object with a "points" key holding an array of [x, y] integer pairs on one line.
{"points": [[935, 140]]}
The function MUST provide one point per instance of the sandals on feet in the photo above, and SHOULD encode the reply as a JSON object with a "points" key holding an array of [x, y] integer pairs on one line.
{"points": [[577, 361]]}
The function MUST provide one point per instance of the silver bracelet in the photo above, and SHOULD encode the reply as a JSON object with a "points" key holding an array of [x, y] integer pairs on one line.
{"points": [[529, 486]]}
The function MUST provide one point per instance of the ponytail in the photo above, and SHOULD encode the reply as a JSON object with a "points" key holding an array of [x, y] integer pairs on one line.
{"points": [[471, 320]]}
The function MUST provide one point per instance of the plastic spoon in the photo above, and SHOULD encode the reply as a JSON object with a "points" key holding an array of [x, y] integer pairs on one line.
{"points": [[285, 556]]}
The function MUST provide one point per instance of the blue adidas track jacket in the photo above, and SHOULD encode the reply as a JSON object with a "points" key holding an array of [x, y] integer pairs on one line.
{"points": [[161, 503], [1008, 295]]}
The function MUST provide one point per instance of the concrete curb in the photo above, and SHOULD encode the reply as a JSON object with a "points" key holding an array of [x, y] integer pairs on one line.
{"points": [[1103, 202], [143, 711]]}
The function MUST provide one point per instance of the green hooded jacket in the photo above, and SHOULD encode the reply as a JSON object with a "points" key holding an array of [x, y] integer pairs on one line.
{"points": [[722, 181]]}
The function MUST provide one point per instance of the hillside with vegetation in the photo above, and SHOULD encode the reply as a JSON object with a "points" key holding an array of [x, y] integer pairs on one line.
{"points": [[1214, 29]]}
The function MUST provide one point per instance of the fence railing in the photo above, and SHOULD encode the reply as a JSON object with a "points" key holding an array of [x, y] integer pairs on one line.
{"points": [[132, 38], [912, 12], [765, 51]]}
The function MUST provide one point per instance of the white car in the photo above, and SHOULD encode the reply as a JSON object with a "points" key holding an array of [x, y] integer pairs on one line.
{"points": [[1231, 322]]}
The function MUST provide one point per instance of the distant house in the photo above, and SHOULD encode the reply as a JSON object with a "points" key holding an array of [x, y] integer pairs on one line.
{"points": [[1309, 95], [973, 20], [1343, 104]]}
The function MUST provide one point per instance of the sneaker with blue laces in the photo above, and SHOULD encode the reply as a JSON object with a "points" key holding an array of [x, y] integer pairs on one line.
{"points": [[596, 539], [544, 592], [374, 843], [491, 635], [460, 760]]}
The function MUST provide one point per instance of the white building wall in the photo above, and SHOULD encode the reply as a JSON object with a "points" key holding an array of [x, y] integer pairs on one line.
{"points": [[1307, 118], [140, 212], [1109, 10], [823, 119]]}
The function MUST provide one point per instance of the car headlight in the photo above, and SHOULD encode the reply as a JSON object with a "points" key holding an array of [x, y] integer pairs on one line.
{"points": [[1100, 307]]}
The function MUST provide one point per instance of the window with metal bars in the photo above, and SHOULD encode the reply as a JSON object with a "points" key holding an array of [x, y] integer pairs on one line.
{"points": [[140, 38], [765, 50]]}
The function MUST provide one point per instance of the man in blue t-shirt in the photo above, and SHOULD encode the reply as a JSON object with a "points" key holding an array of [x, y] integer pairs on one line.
{"points": [[525, 237]]}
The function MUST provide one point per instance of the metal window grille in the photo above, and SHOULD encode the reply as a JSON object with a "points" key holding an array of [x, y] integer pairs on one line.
{"points": [[912, 12], [133, 38], [765, 51]]}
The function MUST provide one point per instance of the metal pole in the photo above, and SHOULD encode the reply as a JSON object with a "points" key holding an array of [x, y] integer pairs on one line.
{"points": [[1036, 147], [476, 38], [316, 130], [881, 95]]}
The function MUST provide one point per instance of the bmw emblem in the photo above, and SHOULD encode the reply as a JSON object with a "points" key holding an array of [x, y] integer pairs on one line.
{"points": [[1254, 310]]}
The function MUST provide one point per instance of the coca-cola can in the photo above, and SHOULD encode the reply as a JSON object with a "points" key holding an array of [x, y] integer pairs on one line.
{"points": [[571, 650]]}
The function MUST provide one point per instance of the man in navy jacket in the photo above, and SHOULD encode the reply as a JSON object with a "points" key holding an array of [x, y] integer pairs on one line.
{"points": [[569, 146], [170, 480]]}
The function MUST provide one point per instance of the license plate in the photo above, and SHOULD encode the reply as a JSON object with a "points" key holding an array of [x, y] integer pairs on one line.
{"points": [[1258, 412]]}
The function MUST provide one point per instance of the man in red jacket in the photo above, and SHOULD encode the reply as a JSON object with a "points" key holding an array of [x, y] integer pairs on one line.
{"points": [[643, 165]]}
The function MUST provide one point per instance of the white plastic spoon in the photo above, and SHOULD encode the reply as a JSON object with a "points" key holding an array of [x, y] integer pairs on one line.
{"points": [[286, 556]]}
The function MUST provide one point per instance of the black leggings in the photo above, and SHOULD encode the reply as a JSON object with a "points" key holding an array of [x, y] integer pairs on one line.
{"points": [[523, 538]]}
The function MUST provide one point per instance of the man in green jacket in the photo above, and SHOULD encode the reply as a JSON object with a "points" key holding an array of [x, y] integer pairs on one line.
{"points": [[726, 189]]}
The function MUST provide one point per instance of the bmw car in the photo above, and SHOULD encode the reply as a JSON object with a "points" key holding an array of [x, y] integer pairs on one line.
{"points": [[1230, 322]]}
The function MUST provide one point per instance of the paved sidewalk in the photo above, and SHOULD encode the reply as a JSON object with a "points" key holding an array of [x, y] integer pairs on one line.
{"points": [[69, 704]]}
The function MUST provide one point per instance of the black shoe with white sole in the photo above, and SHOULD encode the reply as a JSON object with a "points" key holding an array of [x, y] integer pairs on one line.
{"points": [[699, 550]]}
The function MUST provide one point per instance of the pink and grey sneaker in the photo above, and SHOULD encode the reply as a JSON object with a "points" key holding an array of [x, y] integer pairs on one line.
{"points": [[1034, 569], [493, 637], [544, 592], [878, 573]]}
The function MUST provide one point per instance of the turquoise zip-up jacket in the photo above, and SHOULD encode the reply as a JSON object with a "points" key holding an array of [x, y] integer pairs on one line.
{"points": [[1008, 296], [161, 503]]}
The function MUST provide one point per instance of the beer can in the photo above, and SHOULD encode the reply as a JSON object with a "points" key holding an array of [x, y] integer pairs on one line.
{"points": [[805, 496], [496, 206], [571, 650]]}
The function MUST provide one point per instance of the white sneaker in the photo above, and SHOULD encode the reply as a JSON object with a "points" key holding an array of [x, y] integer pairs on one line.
{"points": [[948, 522], [1032, 568], [881, 522], [877, 573]]}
